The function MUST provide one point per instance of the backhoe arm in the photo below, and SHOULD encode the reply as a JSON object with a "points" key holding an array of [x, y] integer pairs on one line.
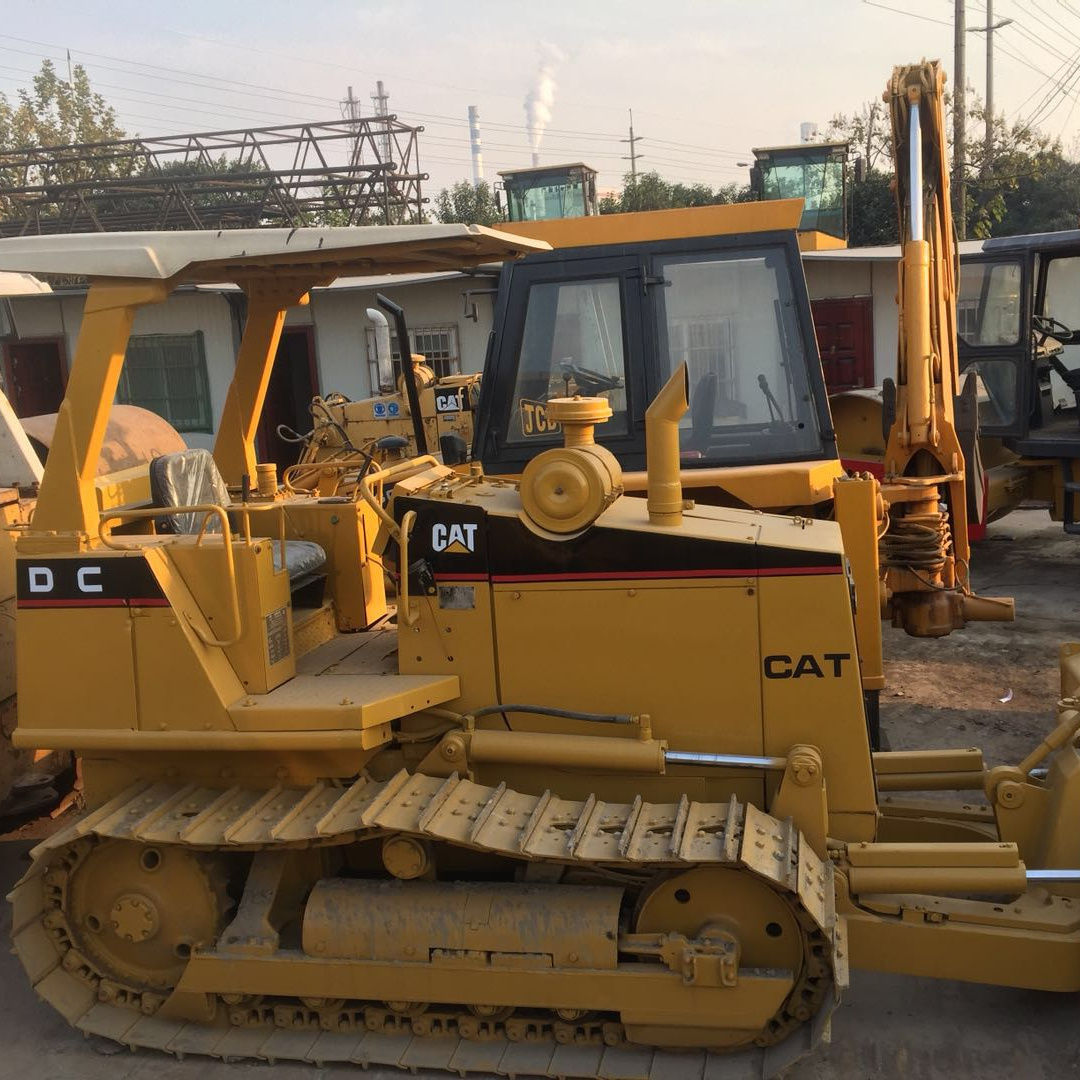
{"points": [[925, 551]]}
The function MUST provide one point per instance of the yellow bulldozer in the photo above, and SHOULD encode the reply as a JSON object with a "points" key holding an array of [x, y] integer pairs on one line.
{"points": [[596, 799], [622, 300], [31, 784]]}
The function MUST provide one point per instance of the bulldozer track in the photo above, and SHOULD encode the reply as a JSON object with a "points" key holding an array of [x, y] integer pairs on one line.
{"points": [[637, 836]]}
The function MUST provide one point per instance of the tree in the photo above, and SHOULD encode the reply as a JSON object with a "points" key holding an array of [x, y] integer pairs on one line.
{"points": [[869, 133], [871, 203], [1045, 200], [650, 191], [872, 209], [467, 203], [56, 113], [1024, 184]]}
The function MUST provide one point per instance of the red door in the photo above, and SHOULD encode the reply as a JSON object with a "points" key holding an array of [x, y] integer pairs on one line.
{"points": [[845, 341], [293, 384], [35, 376]]}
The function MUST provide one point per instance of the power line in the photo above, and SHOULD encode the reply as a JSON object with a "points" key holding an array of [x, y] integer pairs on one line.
{"points": [[909, 14], [220, 82], [323, 63], [191, 103], [1060, 26], [243, 110], [681, 155]]}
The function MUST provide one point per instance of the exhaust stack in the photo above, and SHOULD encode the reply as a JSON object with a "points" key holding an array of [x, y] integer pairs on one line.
{"points": [[382, 350], [662, 449]]}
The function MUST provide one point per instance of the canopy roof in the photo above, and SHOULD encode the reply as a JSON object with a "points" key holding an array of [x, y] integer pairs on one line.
{"points": [[237, 254]]}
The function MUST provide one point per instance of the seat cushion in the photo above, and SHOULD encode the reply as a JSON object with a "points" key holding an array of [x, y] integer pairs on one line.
{"points": [[302, 557], [187, 478]]}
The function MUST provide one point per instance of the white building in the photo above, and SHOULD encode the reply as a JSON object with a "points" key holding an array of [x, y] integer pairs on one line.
{"points": [[853, 296], [182, 352]]}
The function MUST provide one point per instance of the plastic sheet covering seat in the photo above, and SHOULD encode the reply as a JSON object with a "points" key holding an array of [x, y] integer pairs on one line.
{"points": [[302, 558], [191, 478]]}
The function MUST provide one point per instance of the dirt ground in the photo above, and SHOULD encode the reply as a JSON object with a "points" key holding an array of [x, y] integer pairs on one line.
{"points": [[945, 693]]}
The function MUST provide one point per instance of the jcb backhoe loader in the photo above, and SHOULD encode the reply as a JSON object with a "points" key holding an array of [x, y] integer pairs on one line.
{"points": [[599, 802], [1019, 336]]}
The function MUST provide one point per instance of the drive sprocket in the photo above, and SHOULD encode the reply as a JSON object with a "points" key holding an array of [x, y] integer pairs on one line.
{"points": [[136, 911]]}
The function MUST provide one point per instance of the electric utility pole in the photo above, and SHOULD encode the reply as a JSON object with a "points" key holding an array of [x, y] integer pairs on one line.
{"points": [[959, 109], [633, 156], [988, 30]]}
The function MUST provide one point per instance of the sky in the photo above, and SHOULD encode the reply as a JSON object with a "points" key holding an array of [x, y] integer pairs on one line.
{"points": [[707, 81]]}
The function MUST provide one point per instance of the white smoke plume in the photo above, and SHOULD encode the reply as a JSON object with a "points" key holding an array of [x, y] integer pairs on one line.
{"points": [[541, 97]]}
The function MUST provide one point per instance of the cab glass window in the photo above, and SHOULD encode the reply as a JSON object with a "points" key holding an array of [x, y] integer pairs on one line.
{"points": [[988, 307], [1053, 338], [1063, 292], [733, 319], [995, 390], [572, 344]]}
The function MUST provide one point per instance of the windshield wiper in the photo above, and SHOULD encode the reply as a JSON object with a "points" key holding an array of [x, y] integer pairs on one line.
{"points": [[775, 412]]}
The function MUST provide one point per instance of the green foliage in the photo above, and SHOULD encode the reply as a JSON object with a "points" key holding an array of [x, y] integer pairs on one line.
{"points": [[872, 212], [1046, 200], [56, 113], [869, 133], [1024, 184], [468, 204], [650, 191]]}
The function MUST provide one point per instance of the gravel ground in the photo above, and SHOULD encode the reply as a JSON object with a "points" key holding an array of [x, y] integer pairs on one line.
{"points": [[940, 694]]}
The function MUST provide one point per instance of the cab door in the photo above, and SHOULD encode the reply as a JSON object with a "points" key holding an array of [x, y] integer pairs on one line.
{"points": [[993, 305], [563, 327], [1057, 302]]}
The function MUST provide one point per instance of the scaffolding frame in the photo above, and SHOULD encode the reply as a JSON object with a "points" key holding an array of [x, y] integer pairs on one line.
{"points": [[282, 176]]}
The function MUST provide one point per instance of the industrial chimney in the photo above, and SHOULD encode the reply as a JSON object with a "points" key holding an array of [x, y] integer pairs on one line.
{"points": [[474, 145]]}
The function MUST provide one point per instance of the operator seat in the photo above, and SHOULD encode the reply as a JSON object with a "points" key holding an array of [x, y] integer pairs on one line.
{"points": [[191, 478], [1070, 377], [702, 408]]}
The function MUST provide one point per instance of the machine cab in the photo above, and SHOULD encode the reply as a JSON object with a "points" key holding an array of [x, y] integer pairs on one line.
{"points": [[617, 320], [815, 172], [1019, 329], [550, 191]]}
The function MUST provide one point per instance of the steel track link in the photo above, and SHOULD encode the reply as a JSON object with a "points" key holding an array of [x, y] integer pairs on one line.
{"points": [[637, 835]]}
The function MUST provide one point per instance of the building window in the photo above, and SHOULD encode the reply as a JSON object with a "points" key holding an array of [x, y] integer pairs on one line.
{"points": [[166, 373], [439, 344], [707, 347]]}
